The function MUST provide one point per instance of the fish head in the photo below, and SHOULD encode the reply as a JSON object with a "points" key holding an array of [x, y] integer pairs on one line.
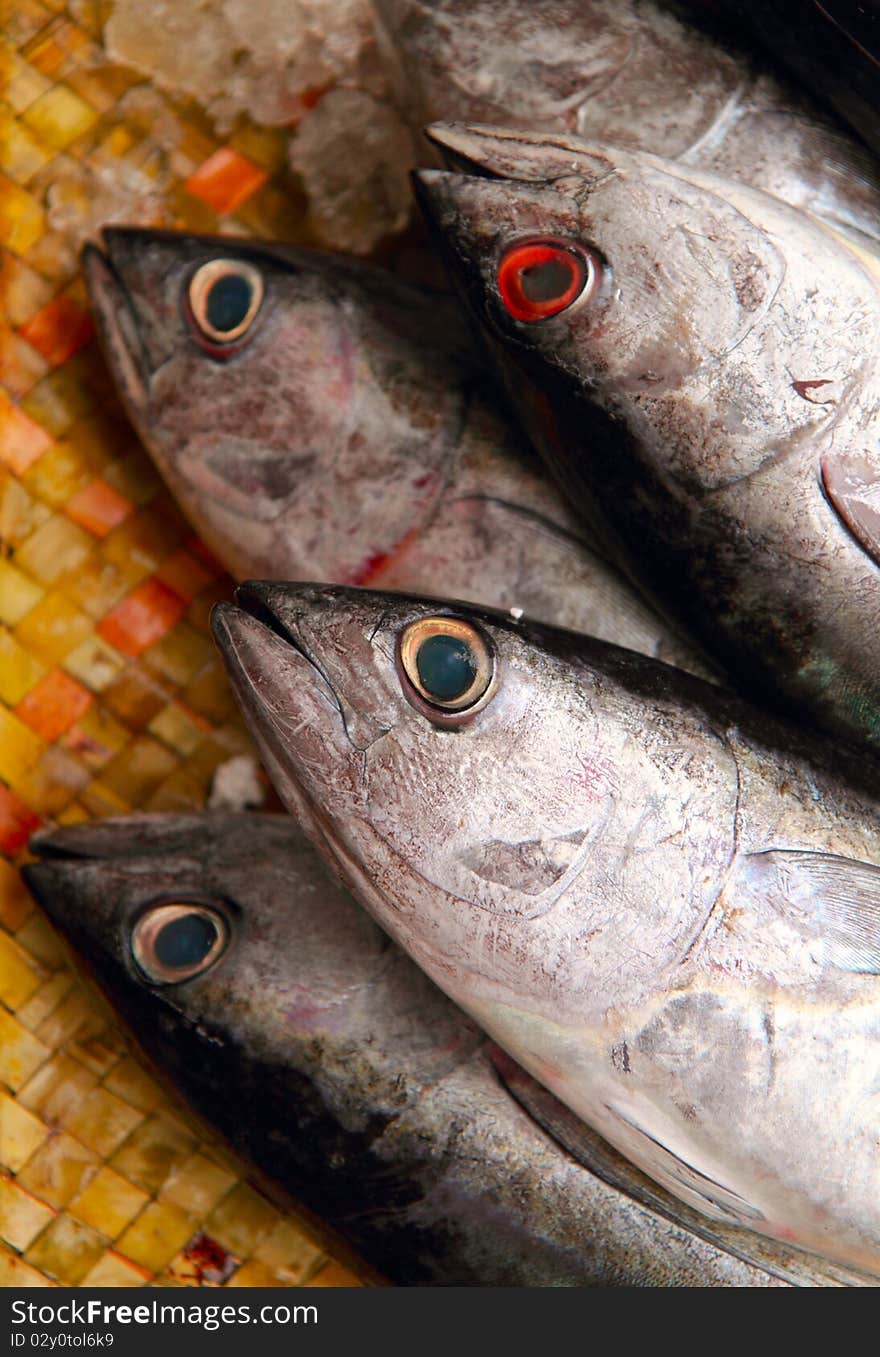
{"points": [[176, 919], [677, 312], [304, 409], [250, 978], [492, 791]]}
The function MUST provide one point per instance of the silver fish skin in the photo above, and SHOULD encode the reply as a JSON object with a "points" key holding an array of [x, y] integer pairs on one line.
{"points": [[661, 902], [831, 46], [350, 437], [327, 1059], [633, 74], [711, 404]]}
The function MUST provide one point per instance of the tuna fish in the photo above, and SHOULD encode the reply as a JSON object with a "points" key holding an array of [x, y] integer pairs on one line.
{"points": [[661, 902], [699, 364], [831, 46], [633, 74], [343, 431], [291, 1023]]}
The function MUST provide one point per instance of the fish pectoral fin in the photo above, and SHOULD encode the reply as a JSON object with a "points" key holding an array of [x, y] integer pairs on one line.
{"points": [[594, 1153], [835, 900], [852, 486]]}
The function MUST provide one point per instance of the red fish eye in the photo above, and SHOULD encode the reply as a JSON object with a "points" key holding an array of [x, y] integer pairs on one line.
{"points": [[539, 278]]}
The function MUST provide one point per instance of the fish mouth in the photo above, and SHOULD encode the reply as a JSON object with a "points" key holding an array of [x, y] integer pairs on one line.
{"points": [[118, 328], [69, 853], [269, 665], [488, 163], [485, 152], [290, 705], [56, 883], [459, 147], [253, 600], [45, 881], [73, 843], [465, 148], [141, 836], [74, 888]]}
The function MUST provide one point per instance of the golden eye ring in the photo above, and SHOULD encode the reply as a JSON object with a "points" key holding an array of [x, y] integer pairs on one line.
{"points": [[176, 940], [447, 666], [224, 298]]}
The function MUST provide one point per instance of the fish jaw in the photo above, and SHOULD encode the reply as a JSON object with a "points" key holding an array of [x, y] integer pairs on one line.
{"points": [[131, 279], [190, 407], [511, 153], [93, 879], [288, 704], [139, 835], [118, 331]]}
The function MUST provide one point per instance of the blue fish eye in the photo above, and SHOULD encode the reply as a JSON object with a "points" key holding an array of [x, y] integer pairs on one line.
{"points": [[185, 941], [228, 302], [446, 667], [177, 940], [448, 664], [224, 298]]}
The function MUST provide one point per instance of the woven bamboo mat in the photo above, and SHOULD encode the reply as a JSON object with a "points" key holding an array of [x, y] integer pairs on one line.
{"points": [[112, 696]]}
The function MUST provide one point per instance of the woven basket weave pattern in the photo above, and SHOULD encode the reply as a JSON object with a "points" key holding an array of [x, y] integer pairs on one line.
{"points": [[112, 696]]}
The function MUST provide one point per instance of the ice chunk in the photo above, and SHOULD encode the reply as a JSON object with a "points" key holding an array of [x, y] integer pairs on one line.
{"points": [[354, 155], [311, 65], [237, 785], [84, 195], [270, 60]]}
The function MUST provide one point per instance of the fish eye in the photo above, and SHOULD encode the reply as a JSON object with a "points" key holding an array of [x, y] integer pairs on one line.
{"points": [[177, 940], [448, 667], [224, 298], [539, 278]]}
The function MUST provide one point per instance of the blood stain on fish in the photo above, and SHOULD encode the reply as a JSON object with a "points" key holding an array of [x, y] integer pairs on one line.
{"points": [[803, 389], [374, 565], [596, 777]]}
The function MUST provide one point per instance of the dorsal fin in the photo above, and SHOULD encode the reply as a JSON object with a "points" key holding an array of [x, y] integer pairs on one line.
{"points": [[588, 1148]]}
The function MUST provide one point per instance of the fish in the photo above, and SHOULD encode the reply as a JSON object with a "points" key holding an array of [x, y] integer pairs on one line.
{"points": [[698, 364], [831, 46], [253, 982], [660, 901], [346, 432], [638, 75]]}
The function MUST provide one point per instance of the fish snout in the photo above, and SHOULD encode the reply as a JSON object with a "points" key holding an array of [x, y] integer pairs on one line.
{"points": [[133, 284], [528, 157]]}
